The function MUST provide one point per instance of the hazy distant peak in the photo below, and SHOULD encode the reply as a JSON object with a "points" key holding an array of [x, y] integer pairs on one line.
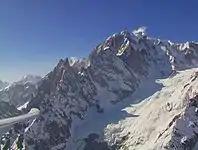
{"points": [[30, 78], [3, 84]]}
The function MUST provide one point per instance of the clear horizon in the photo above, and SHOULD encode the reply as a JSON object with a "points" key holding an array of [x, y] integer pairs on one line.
{"points": [[34, 35]]}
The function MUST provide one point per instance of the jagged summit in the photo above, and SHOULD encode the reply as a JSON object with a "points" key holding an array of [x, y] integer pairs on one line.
{"points": [[123, 43]]}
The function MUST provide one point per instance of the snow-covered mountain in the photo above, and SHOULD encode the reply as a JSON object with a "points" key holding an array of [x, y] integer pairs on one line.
{"points": [[21, 91], [3, 84], [34, 79], [162, 118], [128, 94]]}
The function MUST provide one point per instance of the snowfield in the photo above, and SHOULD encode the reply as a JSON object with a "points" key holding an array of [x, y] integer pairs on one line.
{"points": [[144, 117]]}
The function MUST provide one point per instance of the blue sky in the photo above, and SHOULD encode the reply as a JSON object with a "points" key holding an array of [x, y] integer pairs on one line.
{"points": [[35, 34]]}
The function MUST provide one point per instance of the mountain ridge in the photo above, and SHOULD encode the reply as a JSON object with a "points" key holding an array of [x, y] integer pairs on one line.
{"points": [[19, 92], [122, 60], [3, 84], [114, 70]]}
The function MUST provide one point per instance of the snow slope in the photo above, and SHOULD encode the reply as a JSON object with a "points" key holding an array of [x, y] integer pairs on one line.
{"points": [[155, 116], [142, 117]]}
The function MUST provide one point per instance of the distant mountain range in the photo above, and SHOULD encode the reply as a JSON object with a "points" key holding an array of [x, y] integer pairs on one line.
{"points": [[20, 91], [3, 84]]}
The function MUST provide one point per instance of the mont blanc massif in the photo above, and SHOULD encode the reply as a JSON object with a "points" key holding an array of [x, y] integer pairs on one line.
{"points": [[133, 92]]}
